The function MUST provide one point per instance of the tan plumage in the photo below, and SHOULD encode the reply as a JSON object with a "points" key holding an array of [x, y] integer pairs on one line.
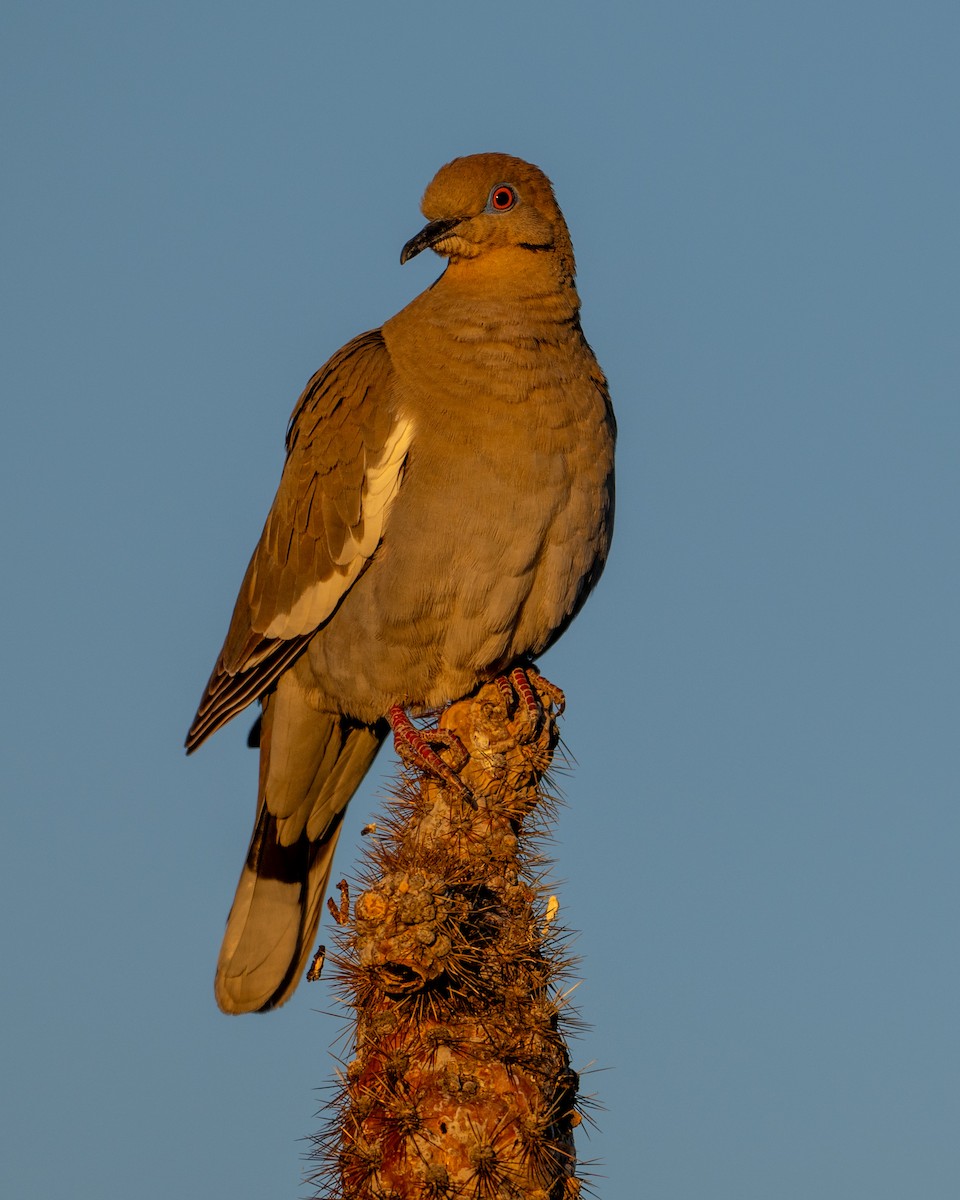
{"points": [[445, 507]]}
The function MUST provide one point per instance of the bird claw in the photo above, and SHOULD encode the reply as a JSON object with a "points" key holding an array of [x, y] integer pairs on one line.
{"points": [[534, 699], [416, 749], [554, 695]]}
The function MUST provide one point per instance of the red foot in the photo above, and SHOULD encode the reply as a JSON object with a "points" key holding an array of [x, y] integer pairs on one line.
{"points": [[554, 694], [528, 697], [410, 742], [517, 685]]}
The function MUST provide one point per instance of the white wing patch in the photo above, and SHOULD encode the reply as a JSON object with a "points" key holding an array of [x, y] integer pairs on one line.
{"points": [[381, 483]]}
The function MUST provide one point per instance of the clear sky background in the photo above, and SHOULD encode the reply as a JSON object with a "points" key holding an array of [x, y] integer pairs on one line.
{"points": [[201, 202]]}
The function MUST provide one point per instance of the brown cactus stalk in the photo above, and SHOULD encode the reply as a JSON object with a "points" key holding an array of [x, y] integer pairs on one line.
{"points": [[460, 1084]]}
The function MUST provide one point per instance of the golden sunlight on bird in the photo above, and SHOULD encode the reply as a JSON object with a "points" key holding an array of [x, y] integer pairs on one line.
{"points": [[445, 508]]}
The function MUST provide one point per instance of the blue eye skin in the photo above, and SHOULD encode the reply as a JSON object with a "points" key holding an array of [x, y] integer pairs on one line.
{"points": [[502, 198]]}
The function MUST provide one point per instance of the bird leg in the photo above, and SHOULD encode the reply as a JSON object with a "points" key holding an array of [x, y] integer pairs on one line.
{"points": [[555, 696], [518, 686], [415, 748]]}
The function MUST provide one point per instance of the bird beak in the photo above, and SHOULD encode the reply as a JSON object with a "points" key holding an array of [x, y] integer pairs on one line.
{"points": [[428, 236]]}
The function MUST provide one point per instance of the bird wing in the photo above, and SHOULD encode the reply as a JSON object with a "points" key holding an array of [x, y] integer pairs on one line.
{"points": [[346, 453]]}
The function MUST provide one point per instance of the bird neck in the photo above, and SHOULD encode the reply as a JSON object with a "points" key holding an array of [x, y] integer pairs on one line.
{"points": [[521, 271], [526, 290]]}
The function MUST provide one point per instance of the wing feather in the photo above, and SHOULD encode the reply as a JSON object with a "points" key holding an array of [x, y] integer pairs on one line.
{"points": [[346, 453]]}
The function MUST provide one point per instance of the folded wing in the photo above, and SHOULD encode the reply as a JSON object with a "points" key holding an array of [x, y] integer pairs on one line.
{"points": [[346, 452]]}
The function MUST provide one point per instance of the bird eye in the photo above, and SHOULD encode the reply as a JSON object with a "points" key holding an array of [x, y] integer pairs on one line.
{"points": [[502, 197]]}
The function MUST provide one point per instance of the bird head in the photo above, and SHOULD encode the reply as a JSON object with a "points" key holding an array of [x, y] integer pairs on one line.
{"points": [[488, 202]]}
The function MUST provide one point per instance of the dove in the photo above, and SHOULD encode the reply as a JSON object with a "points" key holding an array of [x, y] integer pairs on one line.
{"points": [[445, 507]]}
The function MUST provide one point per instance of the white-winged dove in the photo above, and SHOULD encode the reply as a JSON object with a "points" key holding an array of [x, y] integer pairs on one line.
{"points": [[445, 508]]}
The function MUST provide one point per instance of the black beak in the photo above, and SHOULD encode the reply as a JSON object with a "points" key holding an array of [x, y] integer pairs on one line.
{"points": [[428, 236]]}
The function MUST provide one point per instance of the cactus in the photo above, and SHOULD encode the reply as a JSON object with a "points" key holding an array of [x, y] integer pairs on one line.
{"points": [[460, 1084]]}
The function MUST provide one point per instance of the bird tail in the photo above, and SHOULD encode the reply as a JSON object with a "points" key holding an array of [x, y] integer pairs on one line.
{"points": [[311, 764]]}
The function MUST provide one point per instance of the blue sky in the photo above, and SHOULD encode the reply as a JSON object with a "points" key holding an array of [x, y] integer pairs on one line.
{"points": [[201, 202]]}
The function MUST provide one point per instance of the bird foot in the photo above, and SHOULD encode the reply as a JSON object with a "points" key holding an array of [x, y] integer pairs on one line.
{"points": [[518, 687], [416, 749]]}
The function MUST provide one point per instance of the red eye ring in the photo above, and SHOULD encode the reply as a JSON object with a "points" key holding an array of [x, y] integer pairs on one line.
{"points": [[502, 198]]}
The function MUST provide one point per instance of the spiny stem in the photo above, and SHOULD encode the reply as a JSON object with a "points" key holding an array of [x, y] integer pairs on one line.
{"points": [[460, 1085]]}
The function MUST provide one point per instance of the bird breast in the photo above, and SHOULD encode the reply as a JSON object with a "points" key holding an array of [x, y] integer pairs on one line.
{"points": [[501, 516]]}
